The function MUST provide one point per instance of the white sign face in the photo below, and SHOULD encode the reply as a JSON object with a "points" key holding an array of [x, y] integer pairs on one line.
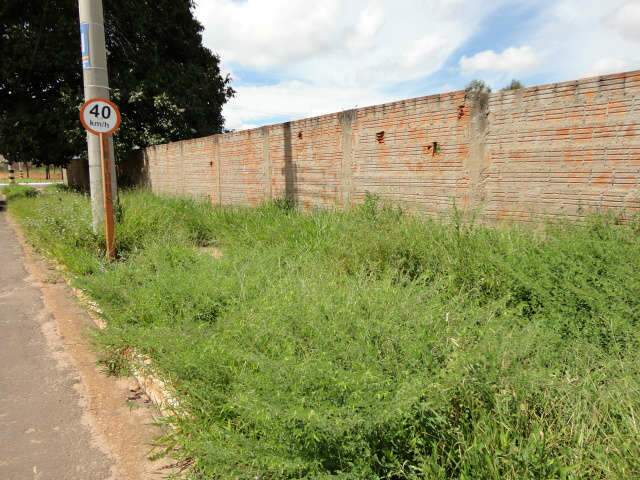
{"points": [[100, 116]]}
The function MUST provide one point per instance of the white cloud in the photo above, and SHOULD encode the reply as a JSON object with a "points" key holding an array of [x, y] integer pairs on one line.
{"points": [[425, 50], [349, 52], [609, 65], [369, 23], [263, 34], [587, 37], [330, 55], [512, 60], [341, 42], [626, 20], [294, 100]]}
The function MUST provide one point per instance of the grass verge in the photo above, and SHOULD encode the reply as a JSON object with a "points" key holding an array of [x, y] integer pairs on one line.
{"points": [[11, 192], [370, 343]]}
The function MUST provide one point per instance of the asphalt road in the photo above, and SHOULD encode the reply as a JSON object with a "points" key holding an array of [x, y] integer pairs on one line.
{"points": [[43, 434], [33, 184]]}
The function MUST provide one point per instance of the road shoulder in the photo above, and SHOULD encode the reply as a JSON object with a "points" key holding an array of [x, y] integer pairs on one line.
{"points": [[118, 417]]}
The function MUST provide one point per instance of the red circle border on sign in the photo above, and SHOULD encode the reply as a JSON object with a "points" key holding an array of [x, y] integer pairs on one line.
{"points": [[112, 105]]}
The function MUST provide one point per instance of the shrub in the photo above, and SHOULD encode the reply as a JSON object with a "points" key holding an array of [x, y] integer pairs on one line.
{"points": [[11, 192]]}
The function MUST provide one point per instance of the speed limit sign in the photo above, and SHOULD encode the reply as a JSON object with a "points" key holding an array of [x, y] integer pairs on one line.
{"points": [[100, 116]]}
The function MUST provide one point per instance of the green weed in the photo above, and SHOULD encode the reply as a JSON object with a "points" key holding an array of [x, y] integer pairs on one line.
{"points": [[11, 192], [371, 343]]}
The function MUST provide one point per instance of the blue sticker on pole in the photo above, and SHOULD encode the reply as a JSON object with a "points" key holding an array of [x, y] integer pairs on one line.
{"points": [[85, 45]]}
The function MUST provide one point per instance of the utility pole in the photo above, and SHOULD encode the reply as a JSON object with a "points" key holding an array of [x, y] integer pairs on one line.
{"points": [[96, 85]]}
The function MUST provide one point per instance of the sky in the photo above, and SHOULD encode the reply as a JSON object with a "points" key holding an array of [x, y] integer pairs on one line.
{"points": [[291, 59]]}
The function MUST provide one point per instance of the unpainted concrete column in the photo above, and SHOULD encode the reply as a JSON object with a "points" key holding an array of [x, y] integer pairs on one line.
{"points": [[146, 170], [266, 162], [76, 174], [218, 160], [346, 119], [477, 161], [181, 168]]}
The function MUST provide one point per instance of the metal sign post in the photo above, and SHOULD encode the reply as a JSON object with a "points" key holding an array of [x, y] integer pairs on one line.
{"points": [[101, 117]]}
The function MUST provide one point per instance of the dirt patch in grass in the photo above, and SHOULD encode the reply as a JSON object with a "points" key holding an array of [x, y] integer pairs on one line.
{"points": [[214, 252]]}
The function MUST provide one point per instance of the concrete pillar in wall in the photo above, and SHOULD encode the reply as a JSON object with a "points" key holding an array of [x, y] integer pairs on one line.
{"points": [[218, 160], [477, 161], [346, 119], [180, 172], [76, 174], [266, 163]]}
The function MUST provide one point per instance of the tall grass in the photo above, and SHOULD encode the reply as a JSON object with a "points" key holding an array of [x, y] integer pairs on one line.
{"points": [[370, 343]]}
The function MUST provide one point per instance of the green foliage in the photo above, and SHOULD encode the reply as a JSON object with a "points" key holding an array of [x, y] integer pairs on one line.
{"points": [[514, 85], [371, 343], [167, 84], [479, 91], [12, 192], [40, 64], [477, 87], [115, 361]]}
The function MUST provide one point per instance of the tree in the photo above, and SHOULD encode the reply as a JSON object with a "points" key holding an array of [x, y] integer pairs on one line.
{"points": [[34, 72], [167, 84], [514, 85]]}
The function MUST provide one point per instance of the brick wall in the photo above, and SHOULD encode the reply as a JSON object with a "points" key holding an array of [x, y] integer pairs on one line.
{"points": [[564, 149], [555, 150]]}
